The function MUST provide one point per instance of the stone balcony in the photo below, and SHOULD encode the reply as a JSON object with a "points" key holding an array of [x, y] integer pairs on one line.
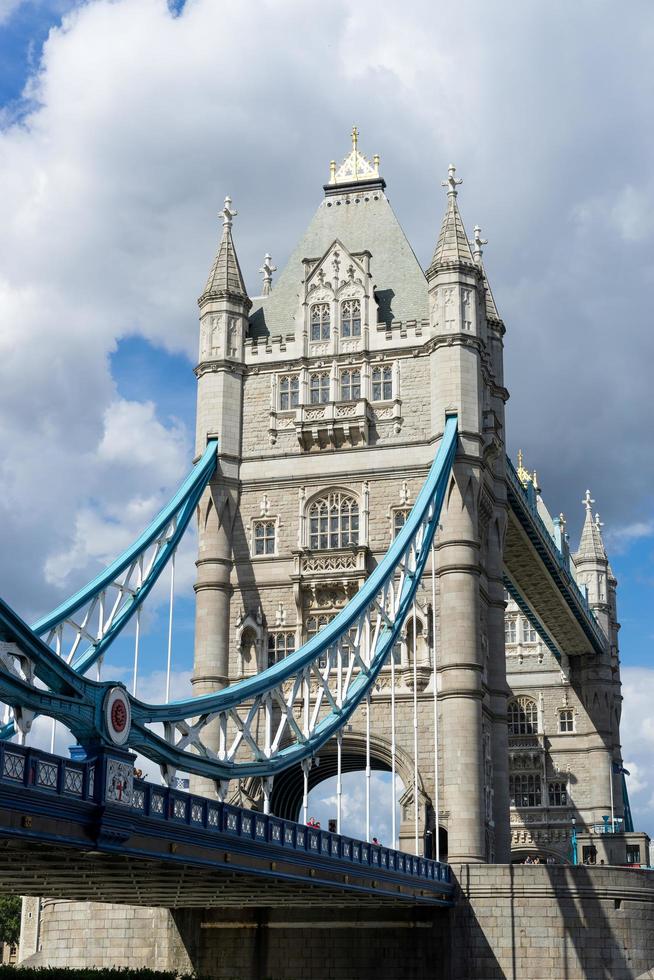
{"points": [[333, 424]]}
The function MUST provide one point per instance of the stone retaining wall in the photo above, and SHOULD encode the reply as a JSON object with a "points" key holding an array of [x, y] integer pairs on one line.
{"points": [[547, 922]]}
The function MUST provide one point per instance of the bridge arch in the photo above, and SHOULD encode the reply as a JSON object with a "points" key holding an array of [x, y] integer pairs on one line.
{"points": [[288, 787]]}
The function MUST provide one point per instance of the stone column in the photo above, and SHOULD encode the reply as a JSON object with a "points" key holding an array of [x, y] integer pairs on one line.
{"points": [[498, 689], [461, 668], [213, 591]]}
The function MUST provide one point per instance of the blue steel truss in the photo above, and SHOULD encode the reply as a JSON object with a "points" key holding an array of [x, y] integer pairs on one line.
{"points": [[100, 611], [261, 727]]}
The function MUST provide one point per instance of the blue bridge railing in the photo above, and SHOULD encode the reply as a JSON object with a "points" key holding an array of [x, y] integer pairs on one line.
{"points": [[47, 777]]}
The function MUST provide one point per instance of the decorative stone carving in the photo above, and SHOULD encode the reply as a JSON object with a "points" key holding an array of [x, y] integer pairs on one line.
{"points": [[119, 786]]}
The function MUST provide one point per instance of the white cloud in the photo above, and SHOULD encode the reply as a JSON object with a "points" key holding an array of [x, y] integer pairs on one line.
{"points": [[637, 731], [7, 8], [619, 538]]}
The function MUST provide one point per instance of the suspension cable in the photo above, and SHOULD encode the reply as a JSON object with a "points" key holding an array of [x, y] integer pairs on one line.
{"points": [[305, 790], [393, 750], [435, 676], [138, 630], [415, 729], [53, 730], [368, 704], [170, 624]]}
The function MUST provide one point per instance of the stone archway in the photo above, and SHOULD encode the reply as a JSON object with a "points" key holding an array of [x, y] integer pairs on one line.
{"points": [[288, 786]]}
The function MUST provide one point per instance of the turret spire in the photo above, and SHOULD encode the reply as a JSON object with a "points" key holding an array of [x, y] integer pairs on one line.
{"points": [[452, 245], [225, 276], [591, 544]]}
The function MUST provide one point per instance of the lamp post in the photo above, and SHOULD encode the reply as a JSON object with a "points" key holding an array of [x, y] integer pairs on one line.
{"points": [[573, 841]]}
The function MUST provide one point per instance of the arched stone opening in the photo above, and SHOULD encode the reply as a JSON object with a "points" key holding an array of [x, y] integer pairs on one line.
{"points": [[288, 786]]}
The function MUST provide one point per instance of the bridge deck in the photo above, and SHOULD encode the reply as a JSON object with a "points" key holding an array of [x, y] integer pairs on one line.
{"points": [[64, 834], [538, 576]]}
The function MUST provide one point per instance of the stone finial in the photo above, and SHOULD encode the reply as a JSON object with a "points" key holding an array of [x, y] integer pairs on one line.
{"points": [[588, 502], [280, 614], [477, 244], [562, 522], [267, 270], [452, 182], [598, 524], [227, 214]]}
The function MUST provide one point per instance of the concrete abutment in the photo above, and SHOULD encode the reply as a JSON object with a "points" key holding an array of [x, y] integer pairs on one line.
{"points": [[548, 922]]}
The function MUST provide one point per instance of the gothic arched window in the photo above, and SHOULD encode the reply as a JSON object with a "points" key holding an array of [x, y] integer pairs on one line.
{"points": [[382, 384], [351, 384], [523, 716], [320, 323], [289, 392], [525, 790], [319, 388], [351, 318], [558, 794], [333, 521]]}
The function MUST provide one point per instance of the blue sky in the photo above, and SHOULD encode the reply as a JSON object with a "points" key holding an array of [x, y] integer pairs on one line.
{"points": [[114, 164]]}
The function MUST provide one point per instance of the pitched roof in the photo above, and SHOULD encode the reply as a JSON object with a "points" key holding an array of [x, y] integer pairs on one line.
{"points": [[452, 244], [491, 308], [361, 221], [591, 544], [225, 275]]}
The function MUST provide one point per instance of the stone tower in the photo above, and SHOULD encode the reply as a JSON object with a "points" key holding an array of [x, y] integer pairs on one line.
{"points": [[350, 363], [224, 307]]}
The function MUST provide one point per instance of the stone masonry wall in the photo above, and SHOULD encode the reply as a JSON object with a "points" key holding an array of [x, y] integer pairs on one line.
{"points": [[553, 922], [510, 923], [80, 934]]}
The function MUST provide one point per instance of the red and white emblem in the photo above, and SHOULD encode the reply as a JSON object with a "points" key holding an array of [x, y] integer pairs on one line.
{"points": [[117, 715]]}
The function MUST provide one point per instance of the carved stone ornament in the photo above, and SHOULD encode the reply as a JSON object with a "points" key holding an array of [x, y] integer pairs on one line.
{"points": [[120, 782]]}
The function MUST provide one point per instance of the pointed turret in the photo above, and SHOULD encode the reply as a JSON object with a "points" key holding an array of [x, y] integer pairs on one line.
{"points": [[225, 277], [592, 565], [492, 315], [224, 303], [452, 246], [591, 545]]}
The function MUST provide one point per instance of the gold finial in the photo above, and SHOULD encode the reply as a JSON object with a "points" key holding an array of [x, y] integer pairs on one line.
{"points": [[523, 475], [332, 171], [355, 137]]}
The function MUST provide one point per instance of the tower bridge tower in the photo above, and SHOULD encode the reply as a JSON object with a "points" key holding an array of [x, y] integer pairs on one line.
{"points": [[329, 395]]}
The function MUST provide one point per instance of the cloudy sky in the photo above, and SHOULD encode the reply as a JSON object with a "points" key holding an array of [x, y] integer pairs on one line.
{"points": [[124, 124]]}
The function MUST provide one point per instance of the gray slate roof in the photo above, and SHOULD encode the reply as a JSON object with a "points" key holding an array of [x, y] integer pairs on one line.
{"points": [[225, 274], [591, 544], [371, 224], [452, 244]]}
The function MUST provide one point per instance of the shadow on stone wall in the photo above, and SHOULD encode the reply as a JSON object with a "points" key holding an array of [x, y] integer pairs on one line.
{"points": [[514, 922]]}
